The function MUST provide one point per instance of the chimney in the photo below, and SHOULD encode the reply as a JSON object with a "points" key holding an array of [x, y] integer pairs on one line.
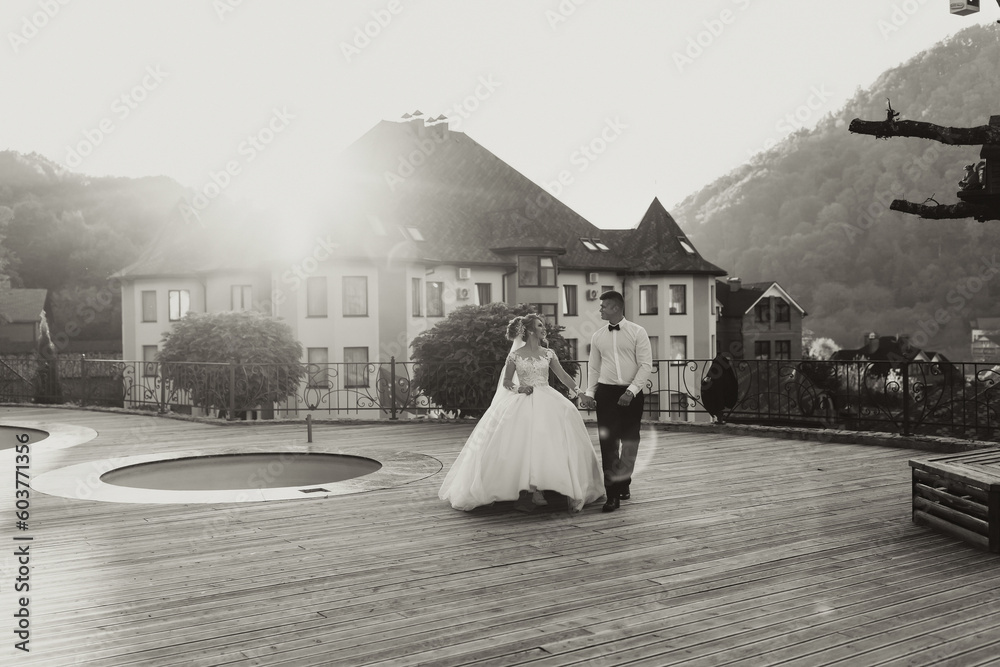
{"points": [[735, 283], [871, 342]]}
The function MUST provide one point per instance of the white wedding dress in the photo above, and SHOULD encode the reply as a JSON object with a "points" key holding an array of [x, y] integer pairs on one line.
{"points": [[526, 442]]}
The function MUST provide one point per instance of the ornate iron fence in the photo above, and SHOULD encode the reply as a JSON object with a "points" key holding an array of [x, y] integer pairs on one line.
{"points": [[958, 400]]}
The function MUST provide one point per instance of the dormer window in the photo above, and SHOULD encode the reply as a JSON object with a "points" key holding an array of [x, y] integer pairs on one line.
{"points": [[595, 245], [688, 248], [414, 233]]}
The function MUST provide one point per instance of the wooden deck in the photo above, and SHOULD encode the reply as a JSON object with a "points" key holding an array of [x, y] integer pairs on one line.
{"points": [[733, 550]]}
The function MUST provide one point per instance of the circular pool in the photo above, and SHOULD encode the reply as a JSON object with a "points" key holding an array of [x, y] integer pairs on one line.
{"points": [[9, 436], [241, 471]]}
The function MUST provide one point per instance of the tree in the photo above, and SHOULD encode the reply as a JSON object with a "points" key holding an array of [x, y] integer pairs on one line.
{"points": [[458, 361], [979, 199], [261, 354]]}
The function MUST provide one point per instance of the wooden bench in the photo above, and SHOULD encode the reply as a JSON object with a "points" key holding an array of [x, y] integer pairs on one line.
{"points": [[959, 494]]}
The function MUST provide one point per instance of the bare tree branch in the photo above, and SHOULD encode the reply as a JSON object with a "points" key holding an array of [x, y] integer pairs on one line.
{"points": [[957, 211], [955, 136]]}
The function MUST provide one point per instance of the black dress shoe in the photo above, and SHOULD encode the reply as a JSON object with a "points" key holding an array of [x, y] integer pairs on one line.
{"points": [[611, 505], [624, 495]]}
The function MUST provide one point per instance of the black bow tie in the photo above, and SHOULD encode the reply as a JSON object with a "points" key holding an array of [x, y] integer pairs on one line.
{"points": [[614, 327]]}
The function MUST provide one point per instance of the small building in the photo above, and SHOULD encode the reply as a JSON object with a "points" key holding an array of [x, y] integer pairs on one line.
{"points": [[22, 312], [985, 340], [758, 321]]}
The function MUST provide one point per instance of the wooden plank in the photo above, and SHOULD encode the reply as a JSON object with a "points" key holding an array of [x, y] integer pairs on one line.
{"points": [[726, 550], [953, 516]]}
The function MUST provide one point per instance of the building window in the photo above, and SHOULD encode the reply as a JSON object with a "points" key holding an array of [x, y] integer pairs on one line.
{"points": [[651, 405], [149, 357], [606, 288], [548, 311], [356, 359], [318, 369], [782, 312], [240, 297], [355, 296], [148, 306], [569, 300], [416, 292], [782, 349], [762, 312], [435, 299], [654, 346], [678, 406], [573, 347], [762, 349], [484, 294], [678, 349], [179, 301], [316, 296], [647, 300], [535, 271], [678, 299]]}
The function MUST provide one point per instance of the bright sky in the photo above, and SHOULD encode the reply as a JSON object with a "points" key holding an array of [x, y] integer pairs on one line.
{"points": [[625, 99]]}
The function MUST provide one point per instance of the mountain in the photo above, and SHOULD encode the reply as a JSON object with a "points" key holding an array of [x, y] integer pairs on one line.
{"points": [[68, 233], [812, 213]]}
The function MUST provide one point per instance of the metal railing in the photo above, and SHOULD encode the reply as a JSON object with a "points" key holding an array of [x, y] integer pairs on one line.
{"points": [[959, 400]]}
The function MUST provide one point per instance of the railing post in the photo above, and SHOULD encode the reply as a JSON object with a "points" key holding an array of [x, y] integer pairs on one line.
{"points": [[906, 398], [392, 386], [161, 375], [232, 391], [83, 379]]}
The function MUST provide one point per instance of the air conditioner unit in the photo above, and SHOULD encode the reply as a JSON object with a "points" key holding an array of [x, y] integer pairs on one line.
{"points": [[463, 292], [591, 278], [591, 295], [464, 274], [964, 8]]}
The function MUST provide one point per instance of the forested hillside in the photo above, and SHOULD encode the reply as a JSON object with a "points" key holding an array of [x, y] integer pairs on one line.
{"points": [[813, 214], [68, 233]]}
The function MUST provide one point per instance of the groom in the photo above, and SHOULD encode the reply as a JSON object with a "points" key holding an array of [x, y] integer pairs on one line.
{"points": [[620, 363]]}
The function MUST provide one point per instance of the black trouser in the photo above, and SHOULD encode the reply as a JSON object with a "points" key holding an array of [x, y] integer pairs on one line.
{"points": [[618, 429]]}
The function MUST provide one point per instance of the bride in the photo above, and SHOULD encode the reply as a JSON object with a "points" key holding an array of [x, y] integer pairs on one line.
{"points": [[530, 440]]}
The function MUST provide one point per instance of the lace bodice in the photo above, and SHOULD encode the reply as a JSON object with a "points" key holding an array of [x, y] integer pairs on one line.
{"points": [[532, 371]]}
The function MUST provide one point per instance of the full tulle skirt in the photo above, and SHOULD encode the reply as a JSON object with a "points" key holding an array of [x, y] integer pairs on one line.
{"points": [[526, 442]]}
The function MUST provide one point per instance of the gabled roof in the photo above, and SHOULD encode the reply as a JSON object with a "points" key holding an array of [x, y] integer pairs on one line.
{"points": [[743, 300], [409, 191], [468, 204], [21, 305], [657, 245]]}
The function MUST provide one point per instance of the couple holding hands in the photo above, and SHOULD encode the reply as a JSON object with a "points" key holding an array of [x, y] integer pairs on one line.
{"points": [[532, 440]]}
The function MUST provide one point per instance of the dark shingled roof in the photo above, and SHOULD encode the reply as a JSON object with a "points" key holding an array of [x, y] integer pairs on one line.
{"points": [[656, 246], [736, 304], [468, 206], [21, 305]]}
